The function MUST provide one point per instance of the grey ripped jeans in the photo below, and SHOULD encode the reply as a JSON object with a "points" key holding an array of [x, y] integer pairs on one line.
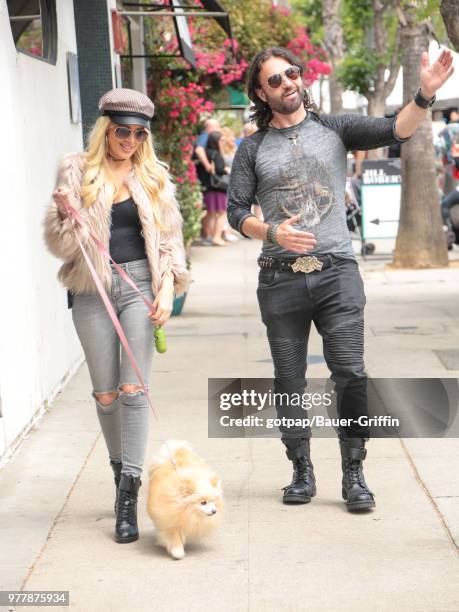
{"points": [[125, 421]]}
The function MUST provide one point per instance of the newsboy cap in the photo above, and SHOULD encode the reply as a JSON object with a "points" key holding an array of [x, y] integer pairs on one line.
{"points": [[127, 106]]}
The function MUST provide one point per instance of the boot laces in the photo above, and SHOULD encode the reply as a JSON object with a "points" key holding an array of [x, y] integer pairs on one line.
{"points": [[126, 505], [356, 475], [302, 469]]}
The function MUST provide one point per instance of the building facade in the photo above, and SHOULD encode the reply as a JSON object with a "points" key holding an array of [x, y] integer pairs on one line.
{"points": [[43, 115]]}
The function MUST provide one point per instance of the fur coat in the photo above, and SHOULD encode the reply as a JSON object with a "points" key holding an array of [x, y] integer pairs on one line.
{"points": [[165, 250]]}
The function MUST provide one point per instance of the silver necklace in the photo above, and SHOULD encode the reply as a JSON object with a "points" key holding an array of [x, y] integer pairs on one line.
{"points": [[293, 137]]}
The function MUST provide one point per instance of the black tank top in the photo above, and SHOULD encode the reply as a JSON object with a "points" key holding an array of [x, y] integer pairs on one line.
{"points": [[126, 241]]}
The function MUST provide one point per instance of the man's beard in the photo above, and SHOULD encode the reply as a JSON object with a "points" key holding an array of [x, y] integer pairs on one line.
{"points": [[287, 106]]}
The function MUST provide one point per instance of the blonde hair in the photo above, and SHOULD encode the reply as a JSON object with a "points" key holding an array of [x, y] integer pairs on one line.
{"points": [[152, 173], [228, 141]]}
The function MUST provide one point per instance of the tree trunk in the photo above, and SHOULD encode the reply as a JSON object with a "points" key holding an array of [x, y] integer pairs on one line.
{"points": [[334, 45], [449, 10], [382, 88], [336, 94], [420, 240], [376, 108]]}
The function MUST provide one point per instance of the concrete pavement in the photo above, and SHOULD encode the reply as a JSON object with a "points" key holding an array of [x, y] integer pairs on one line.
{"points": [[56, 516]]}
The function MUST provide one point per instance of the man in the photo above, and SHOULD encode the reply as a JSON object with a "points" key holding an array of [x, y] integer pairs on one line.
{"points": [[210, 125], [296, 166]]}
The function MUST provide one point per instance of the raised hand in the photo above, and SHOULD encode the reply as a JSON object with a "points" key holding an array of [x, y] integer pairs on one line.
{"points": [[434, 76]]}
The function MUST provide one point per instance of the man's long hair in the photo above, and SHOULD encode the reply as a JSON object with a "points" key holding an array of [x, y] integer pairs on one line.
{"points": [[261, 113]]}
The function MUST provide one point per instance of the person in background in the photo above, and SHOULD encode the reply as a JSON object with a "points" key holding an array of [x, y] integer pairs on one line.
{"points": [[446, 138], [215, 199], [248, 129], [452, 198], [228, 148], [204, 167]]}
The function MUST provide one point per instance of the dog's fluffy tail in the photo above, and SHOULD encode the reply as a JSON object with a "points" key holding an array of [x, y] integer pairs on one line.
{"points": [[171, 448]]}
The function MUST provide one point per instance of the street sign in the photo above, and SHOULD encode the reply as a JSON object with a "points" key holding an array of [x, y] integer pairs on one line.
{"points": [[381, 190]]}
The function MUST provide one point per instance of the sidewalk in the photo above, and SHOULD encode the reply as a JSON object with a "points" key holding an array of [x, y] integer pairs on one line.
{"points": [[56, 515]]}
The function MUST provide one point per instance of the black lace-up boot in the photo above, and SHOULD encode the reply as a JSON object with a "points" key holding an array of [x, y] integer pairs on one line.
{"points": [[303, 485], [355, 491], [116, 467], [126, 529]]}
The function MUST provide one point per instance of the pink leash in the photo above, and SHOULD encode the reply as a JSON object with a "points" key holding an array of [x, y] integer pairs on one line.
{"points": [[74, 214]]}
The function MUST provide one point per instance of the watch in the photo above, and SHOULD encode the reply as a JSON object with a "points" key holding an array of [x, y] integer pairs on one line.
{"points": [[421, 101]]}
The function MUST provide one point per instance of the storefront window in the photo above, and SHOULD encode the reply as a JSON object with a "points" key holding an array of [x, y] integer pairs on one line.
{"points": [[33, 24]]}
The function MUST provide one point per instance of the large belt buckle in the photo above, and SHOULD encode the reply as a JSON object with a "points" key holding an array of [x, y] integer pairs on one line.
{"points": [[307, 264]]}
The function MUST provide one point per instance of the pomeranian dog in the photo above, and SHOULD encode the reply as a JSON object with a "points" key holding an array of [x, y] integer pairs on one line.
{"points": [[184, 501]]}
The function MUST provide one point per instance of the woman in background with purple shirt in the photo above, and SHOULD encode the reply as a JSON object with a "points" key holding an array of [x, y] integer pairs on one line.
{"points": [[215, 200]]}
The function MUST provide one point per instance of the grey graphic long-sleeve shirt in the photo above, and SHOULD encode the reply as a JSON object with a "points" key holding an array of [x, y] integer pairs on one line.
{"points": [[302, 170]]}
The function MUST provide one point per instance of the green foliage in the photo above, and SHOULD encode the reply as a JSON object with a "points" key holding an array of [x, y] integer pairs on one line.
{"points": [[190, 197], [188, 192], [430, 10], [310, 15], [256, 25], [356, 72], [356, 19], [357, 69]]}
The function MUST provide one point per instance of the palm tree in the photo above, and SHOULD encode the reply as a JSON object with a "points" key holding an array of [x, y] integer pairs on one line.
{"points": [[420, 240], [334, 45], [450, 12]]}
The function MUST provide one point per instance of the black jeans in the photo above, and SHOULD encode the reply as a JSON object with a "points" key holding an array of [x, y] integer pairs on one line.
{"points": [[447, 202], [334, 299]]}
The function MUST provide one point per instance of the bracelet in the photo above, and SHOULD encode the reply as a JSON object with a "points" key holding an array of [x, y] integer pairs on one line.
{"points": [[271, 234], [423, 102]]}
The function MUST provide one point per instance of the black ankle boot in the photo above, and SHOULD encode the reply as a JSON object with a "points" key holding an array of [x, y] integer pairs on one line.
{"points": [[116, 467], [355, 491], [126, 529], [303, 485]]}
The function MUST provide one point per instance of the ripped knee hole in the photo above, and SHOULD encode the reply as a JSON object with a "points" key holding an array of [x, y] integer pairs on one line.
{"points": [[106, 398], [131, 389]]}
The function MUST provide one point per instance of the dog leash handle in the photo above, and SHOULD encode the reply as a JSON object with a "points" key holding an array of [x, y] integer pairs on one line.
{"points": [[160, 340]]}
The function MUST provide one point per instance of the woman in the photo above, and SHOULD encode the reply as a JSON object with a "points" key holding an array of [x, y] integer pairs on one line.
{"points": [[215, 199], [125, 197], [228, 149]]}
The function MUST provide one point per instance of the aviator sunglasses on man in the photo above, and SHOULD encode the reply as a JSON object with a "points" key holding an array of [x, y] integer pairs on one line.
{"points": [[123, 133], [275, 80]]}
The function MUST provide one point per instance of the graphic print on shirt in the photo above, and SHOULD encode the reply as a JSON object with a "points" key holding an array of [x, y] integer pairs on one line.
{"points": [[304, 189]]}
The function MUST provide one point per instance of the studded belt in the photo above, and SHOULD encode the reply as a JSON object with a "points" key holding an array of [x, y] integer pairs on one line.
{"points": [[306, 264]]}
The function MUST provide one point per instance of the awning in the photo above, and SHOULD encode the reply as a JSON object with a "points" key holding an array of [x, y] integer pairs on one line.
{"points": [[183, 36], [179, 12], [223, 21]]}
